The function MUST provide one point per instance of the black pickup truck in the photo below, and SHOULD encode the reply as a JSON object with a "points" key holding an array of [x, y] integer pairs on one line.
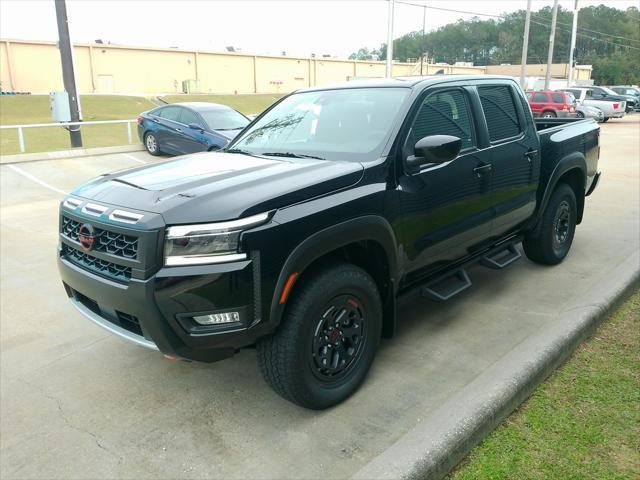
{"points": [[299, 238]]}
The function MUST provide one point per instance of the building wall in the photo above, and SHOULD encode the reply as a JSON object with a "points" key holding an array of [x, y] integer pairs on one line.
{"points": [[34, 66], [558, 70]]}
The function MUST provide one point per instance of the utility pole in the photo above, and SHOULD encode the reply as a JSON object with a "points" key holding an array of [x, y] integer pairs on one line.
{"points": [[525, 44], [574, 32], [68, 74], [552, 38], [390, 40], [424, 38]]}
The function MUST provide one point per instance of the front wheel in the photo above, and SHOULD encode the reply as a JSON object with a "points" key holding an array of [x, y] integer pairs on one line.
{"points": [[551, 240], [327, 340], [549, 115], [605, 119]]}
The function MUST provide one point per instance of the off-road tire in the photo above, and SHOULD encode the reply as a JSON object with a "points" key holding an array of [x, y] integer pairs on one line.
{"points": [[550, 241], [288, 359]]}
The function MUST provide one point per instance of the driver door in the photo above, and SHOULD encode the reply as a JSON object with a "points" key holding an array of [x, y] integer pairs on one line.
{"points": [[445, 208]]}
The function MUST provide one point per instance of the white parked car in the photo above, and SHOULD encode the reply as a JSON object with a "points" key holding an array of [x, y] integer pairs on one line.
{"points": [[610, 108]]}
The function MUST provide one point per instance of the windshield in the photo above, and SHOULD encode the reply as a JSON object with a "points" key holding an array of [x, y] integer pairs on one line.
{"points": [[224, 119], [608, 91], [349, 124]]}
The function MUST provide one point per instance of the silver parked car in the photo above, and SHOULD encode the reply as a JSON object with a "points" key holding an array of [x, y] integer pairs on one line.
{"points": [[585, 111]]}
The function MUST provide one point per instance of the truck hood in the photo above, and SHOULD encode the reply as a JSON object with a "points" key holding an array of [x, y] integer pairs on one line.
{"points": [[217, 186]]}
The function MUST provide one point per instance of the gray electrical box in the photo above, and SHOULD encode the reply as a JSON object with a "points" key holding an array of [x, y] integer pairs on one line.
{"points": [[59, 104]]}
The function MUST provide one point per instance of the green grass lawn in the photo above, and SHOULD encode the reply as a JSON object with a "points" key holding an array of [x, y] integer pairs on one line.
{"points": [[25, 109], [582, 423], [247, 104]]}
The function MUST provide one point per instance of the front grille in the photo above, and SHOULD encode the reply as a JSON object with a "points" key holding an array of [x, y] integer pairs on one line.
{"points": [[97, 265], [118, 244]]}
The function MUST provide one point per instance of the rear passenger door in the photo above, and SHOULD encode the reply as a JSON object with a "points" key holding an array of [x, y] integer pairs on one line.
{"points": [[513, 150], [169, 120]]}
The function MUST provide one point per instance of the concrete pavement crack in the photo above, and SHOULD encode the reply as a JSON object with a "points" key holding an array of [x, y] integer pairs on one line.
{"points": [[71, 425]]}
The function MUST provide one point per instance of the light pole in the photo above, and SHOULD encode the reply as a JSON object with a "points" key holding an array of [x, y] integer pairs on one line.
{"points": [[552, 37], [68, 74], [574, 32], [390, 40], [424, 38], [525, 44]]}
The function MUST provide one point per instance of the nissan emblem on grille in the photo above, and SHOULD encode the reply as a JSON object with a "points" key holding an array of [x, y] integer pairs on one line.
{"points": [[86, 237]]}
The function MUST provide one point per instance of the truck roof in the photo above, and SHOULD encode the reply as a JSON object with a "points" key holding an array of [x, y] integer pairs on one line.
{"points": [[408, 82]]}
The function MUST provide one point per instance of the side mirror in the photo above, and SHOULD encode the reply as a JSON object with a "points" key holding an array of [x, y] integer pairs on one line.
{"points": [[195, 126], [434, 149]]}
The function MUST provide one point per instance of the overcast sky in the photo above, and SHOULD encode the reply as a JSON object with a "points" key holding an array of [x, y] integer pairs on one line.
{"points": [[299, 27]]}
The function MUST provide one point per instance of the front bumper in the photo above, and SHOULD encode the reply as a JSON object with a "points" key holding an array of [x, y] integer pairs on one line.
{"points": [[157, 312]]}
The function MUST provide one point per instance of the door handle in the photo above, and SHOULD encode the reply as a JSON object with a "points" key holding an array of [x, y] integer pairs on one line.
{"points": [[179, 130], [483, 169], [530, 155]]}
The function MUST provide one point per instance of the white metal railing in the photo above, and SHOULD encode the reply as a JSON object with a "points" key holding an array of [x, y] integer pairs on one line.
{"points": [[20, 128]]}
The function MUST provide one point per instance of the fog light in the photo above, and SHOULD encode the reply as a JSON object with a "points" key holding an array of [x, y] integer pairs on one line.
{"points": [[218, 318]]}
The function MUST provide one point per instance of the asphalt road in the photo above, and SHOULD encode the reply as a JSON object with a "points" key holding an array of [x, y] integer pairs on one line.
{"points": [[77, 402]]}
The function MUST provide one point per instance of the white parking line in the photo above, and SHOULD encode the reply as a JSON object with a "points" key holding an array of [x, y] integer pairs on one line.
{"points": [[133, 158], [36, 180]]}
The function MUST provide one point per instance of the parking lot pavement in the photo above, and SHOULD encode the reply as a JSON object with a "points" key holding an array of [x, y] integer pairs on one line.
{"points": [[76, 402]]}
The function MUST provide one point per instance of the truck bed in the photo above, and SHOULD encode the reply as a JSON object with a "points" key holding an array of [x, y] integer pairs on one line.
{"points": [[560, 137], [547, 123]]}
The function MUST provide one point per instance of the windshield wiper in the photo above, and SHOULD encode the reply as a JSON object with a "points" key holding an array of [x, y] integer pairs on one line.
{"points": [[239, 150], [291, 155]]}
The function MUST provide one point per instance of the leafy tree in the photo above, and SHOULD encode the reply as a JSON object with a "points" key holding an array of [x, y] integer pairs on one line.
{"points": [[608, 39]]}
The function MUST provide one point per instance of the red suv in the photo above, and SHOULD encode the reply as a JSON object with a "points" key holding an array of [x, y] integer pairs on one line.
{"points": [[548, 104]]}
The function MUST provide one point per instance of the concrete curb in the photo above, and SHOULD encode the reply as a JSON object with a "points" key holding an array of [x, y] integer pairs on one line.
{"points": [[76, 152], [435, 445]]}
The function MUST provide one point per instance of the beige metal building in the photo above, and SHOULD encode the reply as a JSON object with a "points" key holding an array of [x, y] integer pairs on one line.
{"points": [[34, 67], [582, 73]]}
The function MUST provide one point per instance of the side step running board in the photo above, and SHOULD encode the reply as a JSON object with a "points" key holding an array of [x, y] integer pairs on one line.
{"points": [[502, 258], [443, 288]]}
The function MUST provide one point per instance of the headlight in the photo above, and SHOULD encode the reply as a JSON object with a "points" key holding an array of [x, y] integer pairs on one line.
{"points": [[207, 243]]}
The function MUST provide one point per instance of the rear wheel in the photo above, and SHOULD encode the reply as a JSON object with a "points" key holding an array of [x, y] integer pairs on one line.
{"points": [[328, 338], [605, 119], [580, 114], [550, 242], [151, 144], [549, 114]]}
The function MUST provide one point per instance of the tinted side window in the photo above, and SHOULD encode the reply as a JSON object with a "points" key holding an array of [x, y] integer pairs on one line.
{"points": [[576, 93], [500, 111], [442, 113], [170, 113], [188, 117], [557, 98], [540, 98]]}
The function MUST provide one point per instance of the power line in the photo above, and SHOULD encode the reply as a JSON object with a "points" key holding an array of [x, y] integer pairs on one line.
{"points": [[590, 37], [591, 31], [450, 10], [538, 23]]}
